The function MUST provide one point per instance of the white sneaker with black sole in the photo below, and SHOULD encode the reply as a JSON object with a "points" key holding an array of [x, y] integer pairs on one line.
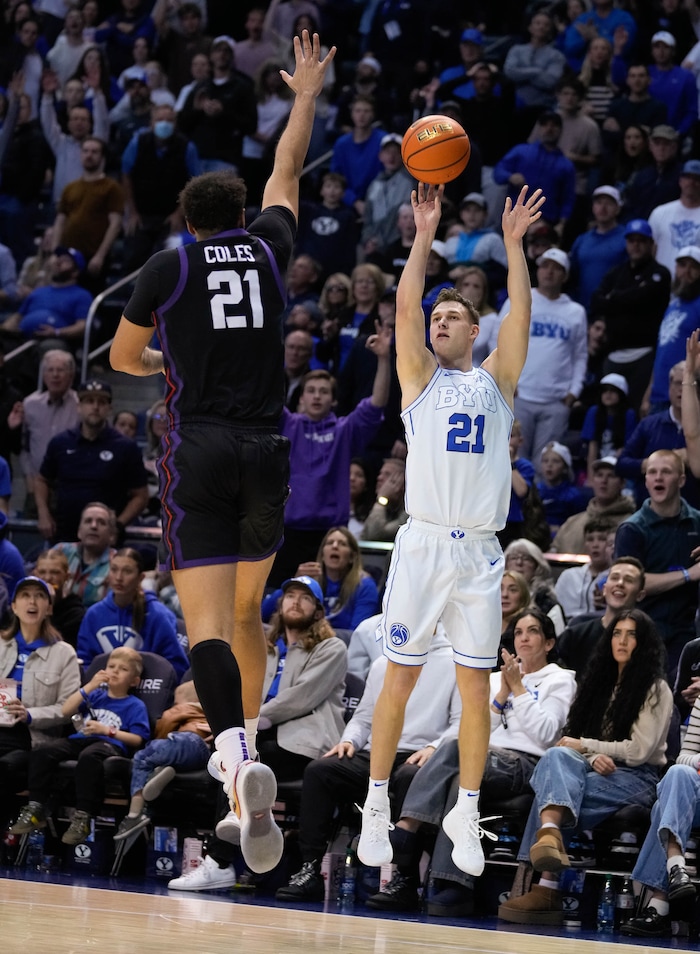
{"points": [[207, 876]]}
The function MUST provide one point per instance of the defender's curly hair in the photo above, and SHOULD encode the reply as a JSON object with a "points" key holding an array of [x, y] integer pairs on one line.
{"points": [[597, 700], [214, 201]]}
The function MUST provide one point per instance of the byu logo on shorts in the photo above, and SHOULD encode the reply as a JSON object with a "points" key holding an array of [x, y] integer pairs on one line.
{"points": [[398, 634], [106, 455], [457, 534]]}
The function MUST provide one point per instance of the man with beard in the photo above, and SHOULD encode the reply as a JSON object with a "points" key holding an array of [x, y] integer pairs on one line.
{"points": [[682, 317], [301, 716], [56, 310], [90, 213]]}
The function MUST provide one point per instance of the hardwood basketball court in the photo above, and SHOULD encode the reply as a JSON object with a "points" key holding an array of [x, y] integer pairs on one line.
{"points": [[47, 918]]}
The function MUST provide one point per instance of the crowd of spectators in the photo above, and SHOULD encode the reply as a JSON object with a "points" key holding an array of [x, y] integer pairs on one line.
{"points": [[108, 108]]}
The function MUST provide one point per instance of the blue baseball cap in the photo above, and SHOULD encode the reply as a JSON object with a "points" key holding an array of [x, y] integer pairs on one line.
{"points": [[472, 36], [28, 581], [691, 168], [309, 583], [638, 227], [77, 256]]}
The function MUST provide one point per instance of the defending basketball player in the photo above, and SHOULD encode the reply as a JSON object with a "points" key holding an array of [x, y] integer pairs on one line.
{"points": [[217, 304], [447, 562]]}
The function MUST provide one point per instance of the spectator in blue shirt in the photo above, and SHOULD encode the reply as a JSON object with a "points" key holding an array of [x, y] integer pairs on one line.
{"points": [[59, 309], [599, 249], [356, 154], [542, 165], [603, 20], [673, 85]]}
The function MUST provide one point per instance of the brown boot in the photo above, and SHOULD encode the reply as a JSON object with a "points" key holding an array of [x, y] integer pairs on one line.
{"points": [[548, 852], [539, 906]]}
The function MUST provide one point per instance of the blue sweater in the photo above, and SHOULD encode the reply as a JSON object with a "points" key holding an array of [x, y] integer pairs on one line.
{"points": [[546, 169], [676, 88], [106, 626], [592, 255]]}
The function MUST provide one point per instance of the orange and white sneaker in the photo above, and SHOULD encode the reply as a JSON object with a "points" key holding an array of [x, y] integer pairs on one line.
{"points": [[252, 790]]}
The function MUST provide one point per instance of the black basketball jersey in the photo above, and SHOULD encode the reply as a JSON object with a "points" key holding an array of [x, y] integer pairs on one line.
{"points": [[217, 306]]}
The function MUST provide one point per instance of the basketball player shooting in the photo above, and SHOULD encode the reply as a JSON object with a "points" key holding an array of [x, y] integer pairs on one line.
{"points": [[447, 562]]}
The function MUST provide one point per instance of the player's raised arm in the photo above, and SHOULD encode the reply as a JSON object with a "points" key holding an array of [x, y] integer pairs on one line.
{"points": [[307, 82], [415, 364], [506, 362]]}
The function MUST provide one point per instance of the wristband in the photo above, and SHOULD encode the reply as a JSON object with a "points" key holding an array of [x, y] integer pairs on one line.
{"points": [[497, 705], [686, 575], [84, 695]]}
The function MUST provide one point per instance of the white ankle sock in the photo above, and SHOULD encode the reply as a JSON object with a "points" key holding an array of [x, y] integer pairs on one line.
{"points": [[549, 825], [231, 745], [659, 905], [675, 860], [549, 883], [467, 801], [378, 794], [251, 732]]}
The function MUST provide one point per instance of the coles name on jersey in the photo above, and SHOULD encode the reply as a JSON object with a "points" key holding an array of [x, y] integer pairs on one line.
{"points": [[458, 471]]}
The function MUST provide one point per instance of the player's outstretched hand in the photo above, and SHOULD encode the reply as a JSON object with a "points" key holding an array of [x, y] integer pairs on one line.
{"points": [[518, 216], [427, 207], [310, 69]]}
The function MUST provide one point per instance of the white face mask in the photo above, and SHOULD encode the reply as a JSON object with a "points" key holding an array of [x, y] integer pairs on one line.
{"points": [[164, 129]]}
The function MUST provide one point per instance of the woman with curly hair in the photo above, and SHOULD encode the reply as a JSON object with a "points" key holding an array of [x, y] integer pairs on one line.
{"points": [[613, 746]]}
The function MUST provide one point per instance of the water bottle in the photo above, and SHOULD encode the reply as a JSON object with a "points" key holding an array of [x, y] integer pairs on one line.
{"points": [[624, 903], [35, 850], [606, 907], [78, 722], [348, 879]]}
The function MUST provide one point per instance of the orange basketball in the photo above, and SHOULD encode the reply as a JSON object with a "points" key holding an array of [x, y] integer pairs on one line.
{"points": [[435, 149]]}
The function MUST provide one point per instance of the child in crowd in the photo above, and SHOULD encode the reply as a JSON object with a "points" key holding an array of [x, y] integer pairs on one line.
{"points": [[113, 723], [181, 743], [561, 498], [579, 589], [608, 425]]}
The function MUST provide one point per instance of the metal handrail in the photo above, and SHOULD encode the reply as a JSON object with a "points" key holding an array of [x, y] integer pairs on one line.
{"points": [[89, 355]]}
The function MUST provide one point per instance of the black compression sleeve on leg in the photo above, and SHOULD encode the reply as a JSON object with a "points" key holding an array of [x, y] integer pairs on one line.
{"points": [[217, 680]]}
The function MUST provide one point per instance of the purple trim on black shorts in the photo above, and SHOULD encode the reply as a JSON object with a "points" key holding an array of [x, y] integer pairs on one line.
{"points": [[175, 515]]}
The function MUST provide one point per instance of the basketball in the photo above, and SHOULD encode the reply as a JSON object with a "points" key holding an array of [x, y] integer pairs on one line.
{"points": [[435, 149]]}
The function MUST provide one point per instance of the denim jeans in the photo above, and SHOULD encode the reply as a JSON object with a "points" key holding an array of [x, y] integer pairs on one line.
{"points": [[677, 810], [565, 778], [185, 751], [434, 789]]}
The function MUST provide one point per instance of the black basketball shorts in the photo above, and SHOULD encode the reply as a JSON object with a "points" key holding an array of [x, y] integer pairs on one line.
{"points": [[222, 490]]}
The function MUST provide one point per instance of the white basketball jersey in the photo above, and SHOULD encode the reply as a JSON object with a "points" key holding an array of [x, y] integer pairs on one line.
{"points": [[458, 470]]}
